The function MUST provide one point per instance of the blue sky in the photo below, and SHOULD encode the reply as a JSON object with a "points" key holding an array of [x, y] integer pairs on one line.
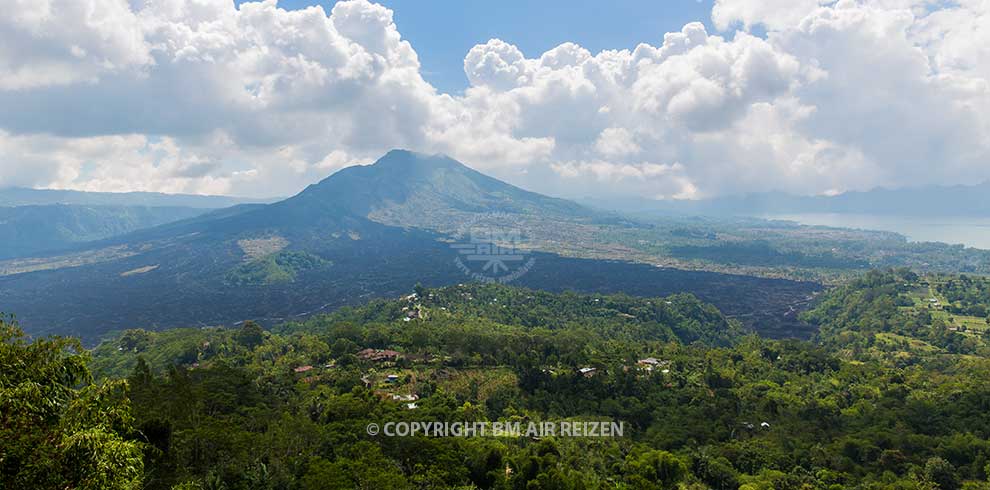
{"points": [[442, 31]]}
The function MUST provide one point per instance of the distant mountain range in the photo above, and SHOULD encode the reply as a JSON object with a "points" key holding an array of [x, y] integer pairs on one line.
{"points": [[960, 200], [19, 196], [44, 221], [33, 230], [366, 231]]}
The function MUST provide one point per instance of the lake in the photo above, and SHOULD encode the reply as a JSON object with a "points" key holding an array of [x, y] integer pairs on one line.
{"points": [[971, 232]]}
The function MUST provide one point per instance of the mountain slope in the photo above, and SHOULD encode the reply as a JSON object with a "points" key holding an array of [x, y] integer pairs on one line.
{"points": [[402, 189], [409, 183], [364, 232], [29, 230], [330, 240]]}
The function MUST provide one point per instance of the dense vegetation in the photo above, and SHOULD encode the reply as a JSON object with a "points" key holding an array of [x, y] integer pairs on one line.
{"points": [[58, 429], [891, 394], [966, 295], [898, 313], [274, 268]]}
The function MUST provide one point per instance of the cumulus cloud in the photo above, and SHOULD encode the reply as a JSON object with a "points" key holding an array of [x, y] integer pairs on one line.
{"points": [[497, 64], [58, 42], [616, 142], [657, 181], [810, 96], [772, 14]]}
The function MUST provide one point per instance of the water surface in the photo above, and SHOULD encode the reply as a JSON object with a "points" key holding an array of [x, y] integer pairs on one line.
{"points": [[971, 232]]}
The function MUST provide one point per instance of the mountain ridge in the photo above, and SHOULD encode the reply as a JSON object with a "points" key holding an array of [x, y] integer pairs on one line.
{"points": [[38, 229], [402, 188], [23, 196], [365, 232], [461, 186]]}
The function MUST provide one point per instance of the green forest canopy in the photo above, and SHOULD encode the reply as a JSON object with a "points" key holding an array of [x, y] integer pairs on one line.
{"points": [[891, 394]]}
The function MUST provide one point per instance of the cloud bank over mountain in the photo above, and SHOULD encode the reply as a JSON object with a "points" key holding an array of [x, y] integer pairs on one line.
{"points": [[809, 96]]}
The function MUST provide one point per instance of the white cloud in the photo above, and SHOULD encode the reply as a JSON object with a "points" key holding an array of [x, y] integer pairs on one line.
{"points": [[772, 14], [659, 181], [58, 42], [110, 163], [200, 96], [616, 142], [884, 95], [496, 64]]}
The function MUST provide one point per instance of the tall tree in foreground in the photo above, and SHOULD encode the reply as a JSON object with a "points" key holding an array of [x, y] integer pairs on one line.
{"points": [[58, 430]]}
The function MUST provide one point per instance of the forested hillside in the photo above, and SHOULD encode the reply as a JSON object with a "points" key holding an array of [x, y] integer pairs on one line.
{"points": [[891, 395], [904, 315]]}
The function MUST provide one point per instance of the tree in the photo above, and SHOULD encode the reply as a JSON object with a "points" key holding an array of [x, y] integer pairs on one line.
{"points": [[57, 429], [717, 472], [250, 335], [364, 468], [343, 347], [652, 469], [942, 473]]}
